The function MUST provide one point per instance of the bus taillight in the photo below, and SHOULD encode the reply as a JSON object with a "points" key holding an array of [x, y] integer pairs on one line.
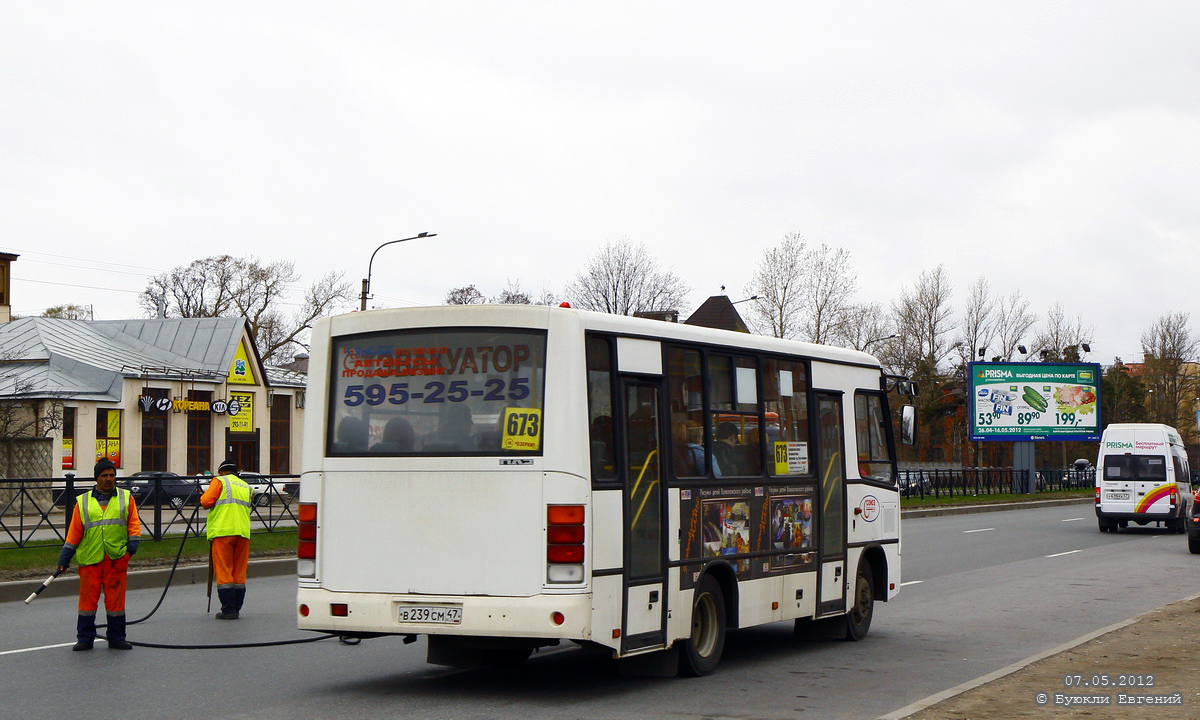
{"points": [[1097, 495], [306, 535], [564, 543]]}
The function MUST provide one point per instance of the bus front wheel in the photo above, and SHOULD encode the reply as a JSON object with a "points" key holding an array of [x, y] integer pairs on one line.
{"points": [[858, 620], [703, 648]]}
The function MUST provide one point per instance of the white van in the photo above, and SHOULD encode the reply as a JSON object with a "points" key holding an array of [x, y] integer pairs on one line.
{"points": [[1142, 476]]}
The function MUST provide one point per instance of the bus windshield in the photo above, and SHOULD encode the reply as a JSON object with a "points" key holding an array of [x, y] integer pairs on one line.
{"points": [[448, 391]]}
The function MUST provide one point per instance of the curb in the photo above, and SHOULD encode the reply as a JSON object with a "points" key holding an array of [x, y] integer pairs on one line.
{"points": [[66, 586], [995, 507], [1019, 665]]}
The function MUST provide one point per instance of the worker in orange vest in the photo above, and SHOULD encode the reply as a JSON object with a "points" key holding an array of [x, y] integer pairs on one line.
{"points": [[228, 501], [103, 535]]}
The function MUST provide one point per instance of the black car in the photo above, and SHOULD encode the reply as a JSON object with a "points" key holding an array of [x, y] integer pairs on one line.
{"points": [[159, 487]]}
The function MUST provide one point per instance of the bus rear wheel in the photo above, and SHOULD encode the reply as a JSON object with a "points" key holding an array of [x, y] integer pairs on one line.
{"points": [[862, 609], [703, 648]]}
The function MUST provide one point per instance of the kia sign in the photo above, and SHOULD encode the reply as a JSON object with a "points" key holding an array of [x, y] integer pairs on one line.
{"points": [[1035, 401]]}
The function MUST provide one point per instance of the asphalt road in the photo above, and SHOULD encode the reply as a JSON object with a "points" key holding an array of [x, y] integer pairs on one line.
{"points": [[982, 591]]}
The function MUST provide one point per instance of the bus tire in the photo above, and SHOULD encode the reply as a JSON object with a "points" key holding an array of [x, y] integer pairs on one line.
{"points": [[702, 650], [862, 604]]}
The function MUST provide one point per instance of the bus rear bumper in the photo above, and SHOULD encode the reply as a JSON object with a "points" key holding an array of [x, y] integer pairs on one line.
{"points": [[566, 616]]}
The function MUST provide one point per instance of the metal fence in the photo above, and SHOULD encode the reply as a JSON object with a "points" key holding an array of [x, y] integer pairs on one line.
{"points": [[938, 483], [36, 512]]}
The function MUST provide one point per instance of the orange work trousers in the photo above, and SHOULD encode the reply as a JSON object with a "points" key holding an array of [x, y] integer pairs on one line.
{"points": [[230, 555], [109, 575]]}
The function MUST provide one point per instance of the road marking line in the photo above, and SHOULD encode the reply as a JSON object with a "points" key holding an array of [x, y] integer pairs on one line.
{"points": [[975, 531], [1072, 519], [1069, 552], [32, 649], [912, 582]]}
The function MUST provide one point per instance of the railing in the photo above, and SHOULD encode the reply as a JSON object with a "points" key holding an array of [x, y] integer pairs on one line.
{"points": [[36, 512], [938, 483]]}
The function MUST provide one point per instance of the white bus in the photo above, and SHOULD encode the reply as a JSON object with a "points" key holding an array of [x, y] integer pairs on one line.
{"points": [[503, 478]]}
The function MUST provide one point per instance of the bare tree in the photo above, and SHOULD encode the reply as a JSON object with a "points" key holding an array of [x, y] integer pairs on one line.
{"points": [[1060, 339], [1013, 322], [623, 278], [468, 295], [25, 413], [924, 322], [69, 312], [1169, 347], [868, 328], [828, 290], [512, 294], [779, 284], [225, 286], [978, 322]]}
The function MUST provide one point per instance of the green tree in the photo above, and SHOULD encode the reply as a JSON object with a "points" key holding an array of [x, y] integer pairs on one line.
{"points": [[69, 312], [1122, 396]]}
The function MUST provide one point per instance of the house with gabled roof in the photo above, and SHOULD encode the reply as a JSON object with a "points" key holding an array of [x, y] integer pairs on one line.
{"points": [[167, 394]]}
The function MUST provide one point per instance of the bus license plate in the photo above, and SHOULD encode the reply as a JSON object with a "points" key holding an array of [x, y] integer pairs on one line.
{"points": [[1116, 496], [440, 614]]}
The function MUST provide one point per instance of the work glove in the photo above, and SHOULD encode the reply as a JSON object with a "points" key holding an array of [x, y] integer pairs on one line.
{"points": [[131, 545]]}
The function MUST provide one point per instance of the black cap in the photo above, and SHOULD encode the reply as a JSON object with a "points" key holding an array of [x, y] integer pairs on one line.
{"points": [[103, 465], [228, 465]]}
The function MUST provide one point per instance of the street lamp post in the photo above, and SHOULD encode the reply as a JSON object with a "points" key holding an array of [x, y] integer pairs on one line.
{"points": [[872, 341], [721, 315], [366, 284]]}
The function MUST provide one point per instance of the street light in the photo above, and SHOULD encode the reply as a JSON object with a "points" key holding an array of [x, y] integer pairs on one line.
{"points": [[871, 342], [366, 286], [721, 315]]}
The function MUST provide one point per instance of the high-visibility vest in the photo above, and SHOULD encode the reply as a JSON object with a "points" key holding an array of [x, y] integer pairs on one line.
{"points": [[105, 530], [231, 514]]}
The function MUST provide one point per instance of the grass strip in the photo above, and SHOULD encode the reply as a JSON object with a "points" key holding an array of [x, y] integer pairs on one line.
{"points": [[149, 551], [961, 499]]}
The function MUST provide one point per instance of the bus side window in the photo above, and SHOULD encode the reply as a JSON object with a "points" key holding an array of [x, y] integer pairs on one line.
{"points": [[600, 404]]}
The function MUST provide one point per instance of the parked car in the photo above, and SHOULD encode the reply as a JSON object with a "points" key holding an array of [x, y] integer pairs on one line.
{"points": [[160, 487], [292, 488], [263, 490], [1081, 474], [912, 483]]}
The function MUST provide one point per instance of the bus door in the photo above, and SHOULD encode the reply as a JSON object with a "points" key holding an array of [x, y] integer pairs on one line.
{"points": [[644, 615], [832, 477]]}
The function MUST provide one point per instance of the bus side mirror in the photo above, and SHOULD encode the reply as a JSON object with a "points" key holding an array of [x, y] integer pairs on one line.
{"points": [[908, 424]]}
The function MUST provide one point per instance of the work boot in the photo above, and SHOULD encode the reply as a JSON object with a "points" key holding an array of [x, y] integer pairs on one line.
{"points": [[115, 633], [229, 603], [85, 632], [239, 596]]}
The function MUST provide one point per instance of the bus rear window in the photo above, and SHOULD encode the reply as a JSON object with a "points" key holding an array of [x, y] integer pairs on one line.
{"points": [[437, 392], [1135, 467]]}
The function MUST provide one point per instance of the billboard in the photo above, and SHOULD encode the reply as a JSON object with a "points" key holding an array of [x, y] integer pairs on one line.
{"points": [[1035, 401]]}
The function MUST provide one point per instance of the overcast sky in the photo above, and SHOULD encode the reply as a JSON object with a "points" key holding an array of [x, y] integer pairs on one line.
{"points": [[1051, 147]]}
